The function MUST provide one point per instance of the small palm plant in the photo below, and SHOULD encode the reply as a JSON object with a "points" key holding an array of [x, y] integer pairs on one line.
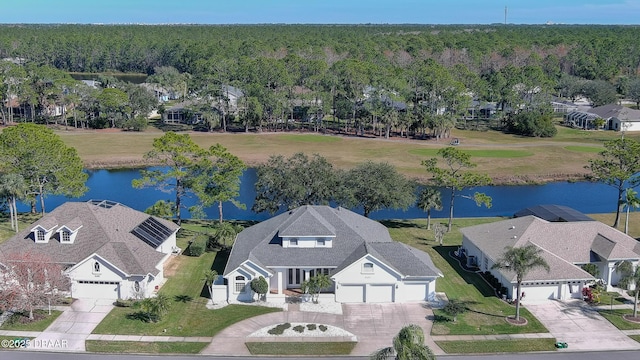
{"points": [[407, 345], [630, 276]]}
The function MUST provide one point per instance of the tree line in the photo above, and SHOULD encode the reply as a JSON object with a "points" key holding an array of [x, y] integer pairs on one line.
{"points": [[418, 80]]}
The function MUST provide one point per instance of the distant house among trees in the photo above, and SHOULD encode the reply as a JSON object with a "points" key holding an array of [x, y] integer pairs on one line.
{"points": [[612, 117]]}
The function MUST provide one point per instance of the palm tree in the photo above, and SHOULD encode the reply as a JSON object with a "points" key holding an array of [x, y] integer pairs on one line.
{"points": [[316, 284], [521, 260], [629, 276], [225, 231], [631, 200], [407, 345], [429, 198], [210, 277]]}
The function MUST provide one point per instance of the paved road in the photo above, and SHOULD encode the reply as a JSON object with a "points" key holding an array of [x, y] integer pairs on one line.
{"points": [[612, 355]]}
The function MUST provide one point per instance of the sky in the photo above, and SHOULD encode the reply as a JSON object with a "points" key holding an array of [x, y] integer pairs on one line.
{"points": [[320, 11]]}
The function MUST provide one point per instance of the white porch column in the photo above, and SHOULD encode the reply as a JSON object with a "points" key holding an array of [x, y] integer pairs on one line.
{"points": [[609, 274], [280, 281], [306, 274]]}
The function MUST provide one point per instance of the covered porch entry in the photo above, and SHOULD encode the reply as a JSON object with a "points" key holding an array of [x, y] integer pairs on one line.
{"points": [[288, 281]]}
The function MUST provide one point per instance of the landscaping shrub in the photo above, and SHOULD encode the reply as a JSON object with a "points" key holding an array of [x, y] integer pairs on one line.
{"points": [[124, 303], [323, 328], [298, 328], [311, 326], [279, 329], [197, 245], [259, 286]]}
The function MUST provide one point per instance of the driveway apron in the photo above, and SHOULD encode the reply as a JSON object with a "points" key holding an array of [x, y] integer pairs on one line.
{"points": [[70, 330], [580, 326]]}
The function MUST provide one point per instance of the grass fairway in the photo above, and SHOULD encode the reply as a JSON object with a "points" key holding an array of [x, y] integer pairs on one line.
{"points": [[300, 348], [487, 313], [188, 315], [584, 149], [504, 154], [496, 346], [310, 138], [546, 159], [139, 347]]}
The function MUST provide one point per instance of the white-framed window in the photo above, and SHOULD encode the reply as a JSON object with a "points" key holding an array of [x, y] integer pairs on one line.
{"points": [[293, 242], [320, 242], [367, 268], [241, 283], [136, 286], [96, 267], [40, 236], [65, 237]]}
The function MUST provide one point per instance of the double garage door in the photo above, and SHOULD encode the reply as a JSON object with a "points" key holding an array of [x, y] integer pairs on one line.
{"points": [[368, 294], [96, 289]]}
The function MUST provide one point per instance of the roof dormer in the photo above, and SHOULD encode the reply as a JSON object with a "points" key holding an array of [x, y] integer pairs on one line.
{"points": [[67, 233], [43, 230]]}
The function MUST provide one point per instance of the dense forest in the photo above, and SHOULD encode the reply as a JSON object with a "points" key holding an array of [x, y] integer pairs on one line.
{"points": [[339, 66]]}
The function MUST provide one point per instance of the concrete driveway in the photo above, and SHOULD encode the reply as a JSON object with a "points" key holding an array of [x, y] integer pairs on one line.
{"points": [[70, 330], [374, 326], [580, 326]]}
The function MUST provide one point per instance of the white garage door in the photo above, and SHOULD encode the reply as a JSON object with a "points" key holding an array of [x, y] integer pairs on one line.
{"points": [[415, 292], [540, 292], [351, 293], [379, 294], [96, 290]]}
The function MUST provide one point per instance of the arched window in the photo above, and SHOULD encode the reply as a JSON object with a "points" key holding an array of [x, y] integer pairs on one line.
{"points": [[367, 268], [241, 283], [96, 267], [136, 286]]}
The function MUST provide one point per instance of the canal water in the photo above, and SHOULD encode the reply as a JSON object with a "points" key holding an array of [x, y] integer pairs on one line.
{"points": [[586, 197]]}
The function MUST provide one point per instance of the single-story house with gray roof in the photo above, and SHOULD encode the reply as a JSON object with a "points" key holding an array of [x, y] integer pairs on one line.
{"points": [[358, 254], [565, 246], [109, 250]]}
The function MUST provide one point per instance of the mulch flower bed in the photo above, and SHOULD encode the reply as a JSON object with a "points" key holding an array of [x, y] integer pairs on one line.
{"points": [[512, 320], [631, 318]]}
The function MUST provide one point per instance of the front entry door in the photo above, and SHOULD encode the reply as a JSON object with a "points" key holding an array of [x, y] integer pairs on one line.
{"points": [[295, 277]]}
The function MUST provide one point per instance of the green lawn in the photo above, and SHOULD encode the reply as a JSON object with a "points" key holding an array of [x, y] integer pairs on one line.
{"points": [[487, 313], [17, 321], [611, 298], [496, 346], [139, 347], [615, 317], [187, 315], [301, 348]]}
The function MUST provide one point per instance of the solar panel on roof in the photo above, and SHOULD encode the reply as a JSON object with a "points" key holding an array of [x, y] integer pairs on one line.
{"points": [[152, 232]]}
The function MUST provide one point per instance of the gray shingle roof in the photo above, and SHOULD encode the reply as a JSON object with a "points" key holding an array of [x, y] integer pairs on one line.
{"points": [[307, 223], [104, 231], [567, 242], [354, 236]]}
